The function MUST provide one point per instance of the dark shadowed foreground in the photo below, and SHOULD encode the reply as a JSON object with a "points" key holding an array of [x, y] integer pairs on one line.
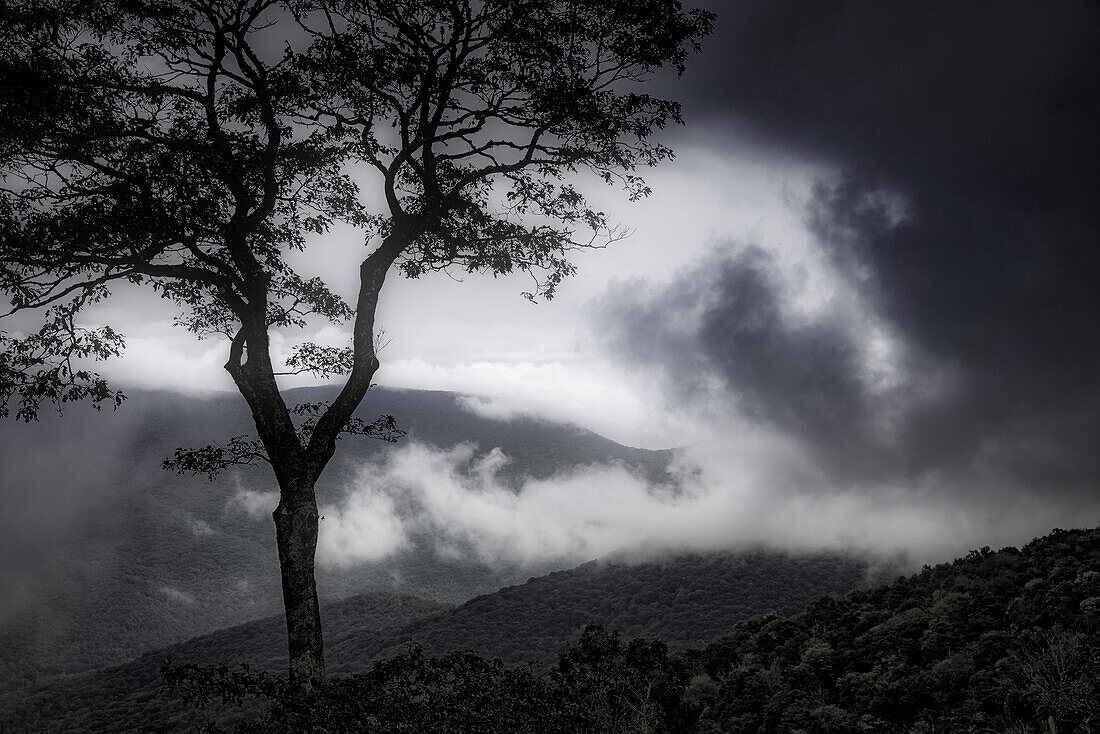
{"points": [[1002, 641], [686, 599], [997, 641]]}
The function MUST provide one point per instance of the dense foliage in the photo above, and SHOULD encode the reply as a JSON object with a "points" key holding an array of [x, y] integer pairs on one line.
{"points": [[1004, 641], [602, 684]]}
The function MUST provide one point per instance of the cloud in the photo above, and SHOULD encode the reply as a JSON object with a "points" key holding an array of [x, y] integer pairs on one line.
{"points": [[364, 528], [255, 504], [750, 490], [954, 346], [981, 117], [200, 528], [175, 595], [986, 130], [734, 340], [846, 386], [170, 360], [595, 394]]}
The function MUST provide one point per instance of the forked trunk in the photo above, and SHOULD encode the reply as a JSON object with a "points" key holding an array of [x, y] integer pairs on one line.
{"points": [[296, 466], [296, 533]]}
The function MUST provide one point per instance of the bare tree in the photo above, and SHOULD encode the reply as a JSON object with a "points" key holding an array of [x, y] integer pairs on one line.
{"points": [[187, 147]]}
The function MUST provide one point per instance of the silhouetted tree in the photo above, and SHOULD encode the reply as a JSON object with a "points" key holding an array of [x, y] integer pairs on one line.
{"points": [[187, 146]]}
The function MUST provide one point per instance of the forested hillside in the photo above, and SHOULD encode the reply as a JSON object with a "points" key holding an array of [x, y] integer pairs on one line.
{"points": [[685, 598], [108, 555], [688, 598], [1005, 641]]}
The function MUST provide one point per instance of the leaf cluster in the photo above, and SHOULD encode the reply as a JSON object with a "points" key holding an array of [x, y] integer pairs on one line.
{"points": [[474, 114], [245, 450], [49, 366]]}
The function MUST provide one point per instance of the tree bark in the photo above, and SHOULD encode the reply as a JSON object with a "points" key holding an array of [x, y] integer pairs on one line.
{"points": [[296, 522], [296, 517]]}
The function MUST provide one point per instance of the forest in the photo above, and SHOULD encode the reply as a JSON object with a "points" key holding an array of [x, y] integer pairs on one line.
{"points": [[998, 641], [1003, 641]]}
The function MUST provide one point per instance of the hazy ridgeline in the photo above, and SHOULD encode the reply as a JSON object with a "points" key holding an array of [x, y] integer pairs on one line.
{"points": [[108, 555], [688, 599]]}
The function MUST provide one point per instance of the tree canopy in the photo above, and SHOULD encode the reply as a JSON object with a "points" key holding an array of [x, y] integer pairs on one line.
{"points": [[189, 147]]}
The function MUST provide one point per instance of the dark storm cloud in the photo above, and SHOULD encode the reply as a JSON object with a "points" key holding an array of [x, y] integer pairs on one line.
{"points": [[799, 377], [721, 326], [982, 118]]}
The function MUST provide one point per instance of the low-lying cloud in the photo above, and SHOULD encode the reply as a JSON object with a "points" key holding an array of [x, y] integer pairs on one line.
{"points": [[756, 490], [175, 595], [365, 527]]}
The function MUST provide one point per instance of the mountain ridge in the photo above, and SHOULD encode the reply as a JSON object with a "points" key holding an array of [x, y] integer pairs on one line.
{"points": [[680, 597]]}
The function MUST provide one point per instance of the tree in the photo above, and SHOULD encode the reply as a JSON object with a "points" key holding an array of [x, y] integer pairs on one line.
{"points": [[618, 687], [1058, 674], [187, 147]]}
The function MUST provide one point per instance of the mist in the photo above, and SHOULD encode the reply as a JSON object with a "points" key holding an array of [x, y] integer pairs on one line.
{"points": [[753, 490]]}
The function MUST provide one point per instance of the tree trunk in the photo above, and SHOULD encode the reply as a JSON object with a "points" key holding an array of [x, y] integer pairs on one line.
{"points": [[296, 533], [297, 467]]}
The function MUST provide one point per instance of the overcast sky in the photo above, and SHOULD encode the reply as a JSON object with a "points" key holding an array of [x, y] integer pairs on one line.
{"points": [[876, 253]]}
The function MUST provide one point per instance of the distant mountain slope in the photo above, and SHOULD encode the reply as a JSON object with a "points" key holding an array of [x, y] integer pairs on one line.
{"points": [[127, 698], [686, 598], [107, 555]]}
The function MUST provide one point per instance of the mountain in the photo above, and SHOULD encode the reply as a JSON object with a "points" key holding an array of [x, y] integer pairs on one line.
{"points": [[999, 641], [688, 598], [683, 598], [107, 555]]}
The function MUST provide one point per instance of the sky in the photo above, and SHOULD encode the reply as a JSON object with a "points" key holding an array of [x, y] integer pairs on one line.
{"points": [[861, 301]]}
